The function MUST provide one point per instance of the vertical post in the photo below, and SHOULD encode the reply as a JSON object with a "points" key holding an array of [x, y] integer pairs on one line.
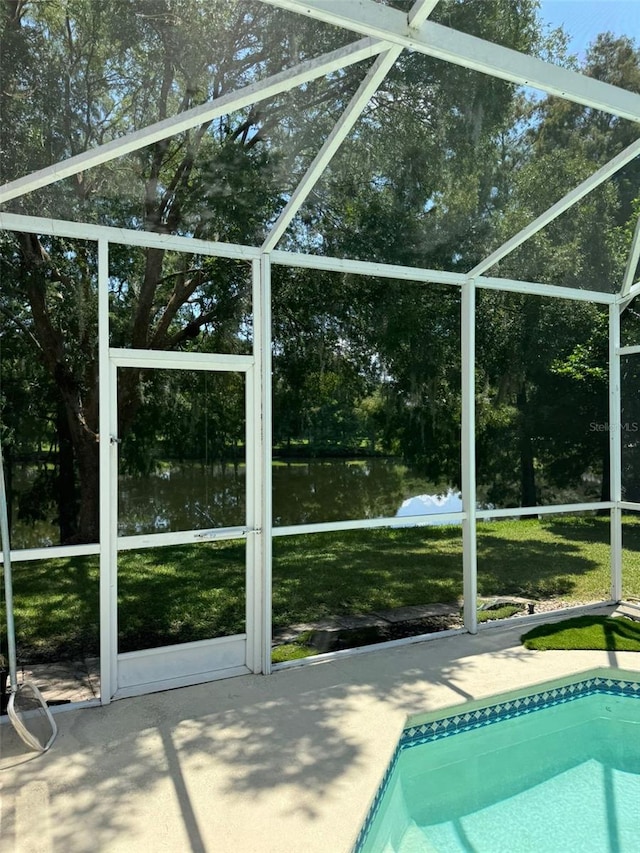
{"points": [[615, 451], [468, 454], [262, 449], [108, 545], [266, 502], [253, 447], [254, 486]]}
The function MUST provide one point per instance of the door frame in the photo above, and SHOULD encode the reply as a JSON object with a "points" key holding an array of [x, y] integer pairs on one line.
{"points": [[150, 670]]}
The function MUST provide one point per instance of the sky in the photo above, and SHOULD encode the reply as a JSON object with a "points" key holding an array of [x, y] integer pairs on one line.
{"points": [[584, 19]]}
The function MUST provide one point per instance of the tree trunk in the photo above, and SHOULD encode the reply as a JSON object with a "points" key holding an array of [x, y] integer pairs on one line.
{"points": [[528, 492], [82, 436], [67, 493], [89, 470]]}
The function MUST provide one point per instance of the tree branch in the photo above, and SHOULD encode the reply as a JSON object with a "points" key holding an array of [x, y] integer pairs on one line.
{"points": [[22, 326], [181, 292]]}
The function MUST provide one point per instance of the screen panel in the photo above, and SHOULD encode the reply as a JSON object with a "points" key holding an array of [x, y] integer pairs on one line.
{"points": [[178, 301], [348, 589], [366, 397], [630, 426], [180, 594], [587, 246], [57, 626], [541, 401], [101, 70], [49, 388], [447, 164], [631, 556], [630, 325], [182, 460], [548, 562]]}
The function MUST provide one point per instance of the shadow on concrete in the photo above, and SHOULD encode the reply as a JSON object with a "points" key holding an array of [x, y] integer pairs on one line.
{"points": [[293, 743]]}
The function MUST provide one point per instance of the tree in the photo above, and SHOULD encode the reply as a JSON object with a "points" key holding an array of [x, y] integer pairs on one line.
{"points": [[415, 185], [542, 382], [93, 72], [554, 359], [443, 162]]}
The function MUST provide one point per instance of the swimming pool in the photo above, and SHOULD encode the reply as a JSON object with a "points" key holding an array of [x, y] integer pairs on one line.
{"points": [[555, 768]]}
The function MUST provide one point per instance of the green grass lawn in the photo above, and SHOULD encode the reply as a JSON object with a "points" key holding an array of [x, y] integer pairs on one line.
{"points": [[183, 593], [586, 632]]}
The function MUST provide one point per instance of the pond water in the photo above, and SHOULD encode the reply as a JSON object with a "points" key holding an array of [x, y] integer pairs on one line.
{"points": [[192, 496], [304, 492]]}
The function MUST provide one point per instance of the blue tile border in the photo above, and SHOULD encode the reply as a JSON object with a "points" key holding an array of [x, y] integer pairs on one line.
{"points": [[375, 806], [456, 723], [480, 717]]}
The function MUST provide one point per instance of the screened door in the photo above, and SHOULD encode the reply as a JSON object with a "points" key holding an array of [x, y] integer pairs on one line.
{"points": [[183, 521]]}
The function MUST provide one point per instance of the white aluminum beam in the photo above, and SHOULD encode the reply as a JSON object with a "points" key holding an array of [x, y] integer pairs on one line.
{"points": [[416, 274], [391, 25], [381, 22], [263, 341], [140, 541], [634, 290], [632, 263], [257, 593], [253, 460], [149, 239], [367, 268], [370, 523], [533, 288], [615, 453], [420, 12], [623, 304], [634, 349], [252, 94], [125, 236], [560, 509], [170, 360], [109, 560], [108, 551], [593, 181], [52, 552], [468, 455]]}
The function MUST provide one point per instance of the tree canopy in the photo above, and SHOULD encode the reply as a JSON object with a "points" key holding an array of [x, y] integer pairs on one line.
{"points": [[443, 166]]}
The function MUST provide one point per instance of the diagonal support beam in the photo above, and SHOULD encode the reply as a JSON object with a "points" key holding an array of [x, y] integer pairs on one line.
{"points": [[383, 64], [384, 22], [420, 12], [605, 172], [632, 263], [634, 290], [624, 302], [366, 90], [254, 93]]}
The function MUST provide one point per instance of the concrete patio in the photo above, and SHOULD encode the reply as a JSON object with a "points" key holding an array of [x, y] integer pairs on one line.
{"points": [[253, 764]]}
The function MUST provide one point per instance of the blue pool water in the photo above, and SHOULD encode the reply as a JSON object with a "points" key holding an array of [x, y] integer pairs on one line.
{"points": [[557, 770]]}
